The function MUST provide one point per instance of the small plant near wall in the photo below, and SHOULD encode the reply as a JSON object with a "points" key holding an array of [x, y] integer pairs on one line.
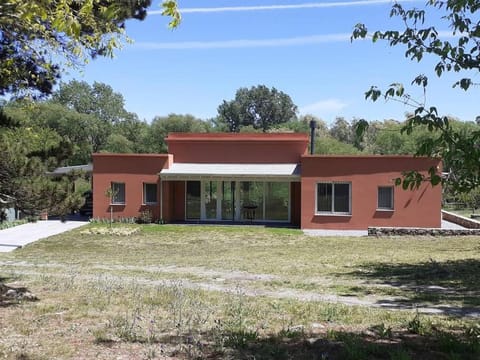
{"points": [[471, 199], [145, 217]]}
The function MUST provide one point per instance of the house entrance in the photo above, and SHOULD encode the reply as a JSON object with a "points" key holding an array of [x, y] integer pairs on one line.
{"points": [[226, 200]]}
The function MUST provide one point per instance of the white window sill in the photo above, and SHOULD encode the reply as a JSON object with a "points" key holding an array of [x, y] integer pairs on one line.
{"points": [[118, 204], [385, 210], [149, 204], [333, 214]]}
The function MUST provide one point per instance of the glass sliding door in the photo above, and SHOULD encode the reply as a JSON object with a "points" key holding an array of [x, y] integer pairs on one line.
{"points": [[237, 200], [228, 200], [277, 201], [192, 200], [251, 200], [210, 197]]}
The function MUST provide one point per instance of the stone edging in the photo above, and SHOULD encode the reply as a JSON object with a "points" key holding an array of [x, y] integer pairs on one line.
{"points": [[390, 231]]}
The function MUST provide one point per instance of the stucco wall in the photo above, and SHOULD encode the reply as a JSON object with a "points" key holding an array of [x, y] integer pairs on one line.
{"points": [[133, 170], [417, 208], [237, 148]]}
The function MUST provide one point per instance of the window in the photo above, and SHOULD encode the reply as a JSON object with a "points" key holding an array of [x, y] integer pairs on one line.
{"points": [[334, 198], [149, 193], [118, 193], [385, 198]]}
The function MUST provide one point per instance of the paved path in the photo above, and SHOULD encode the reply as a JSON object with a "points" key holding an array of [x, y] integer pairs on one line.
{"points": [[21, 235]]}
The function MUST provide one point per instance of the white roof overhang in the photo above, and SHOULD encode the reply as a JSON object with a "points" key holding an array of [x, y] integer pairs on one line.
{"points": [[271, 172]]}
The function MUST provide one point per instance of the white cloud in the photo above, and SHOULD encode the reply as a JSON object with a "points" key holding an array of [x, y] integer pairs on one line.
{"points": [[312, 5], [324, 107], [246, 43]]}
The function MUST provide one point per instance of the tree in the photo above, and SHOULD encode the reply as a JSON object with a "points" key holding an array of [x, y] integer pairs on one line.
{"points": [[27, 154], [459, 54], [117, 143], [104, 109], [32, 31], [342, 131], [259, 107], [329, 145], [97, 99], [161, 126], [302, 125]]}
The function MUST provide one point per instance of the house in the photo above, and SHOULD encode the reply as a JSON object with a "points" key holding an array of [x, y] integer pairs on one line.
{"points": [[263, 178]]}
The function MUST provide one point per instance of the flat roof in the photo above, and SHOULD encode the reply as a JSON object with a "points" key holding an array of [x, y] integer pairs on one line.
{"points": [[273, 172], [68, 169]]}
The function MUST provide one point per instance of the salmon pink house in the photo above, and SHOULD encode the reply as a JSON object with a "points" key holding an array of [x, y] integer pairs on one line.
{"points": [[263, 178]]}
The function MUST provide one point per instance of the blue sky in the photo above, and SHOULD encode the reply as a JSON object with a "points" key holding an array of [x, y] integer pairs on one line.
{"points": [[299, 47]]}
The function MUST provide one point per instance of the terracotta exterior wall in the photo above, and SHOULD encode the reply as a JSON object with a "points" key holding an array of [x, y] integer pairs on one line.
{"points": [[418, 208], [134, 170], [237, 148]]}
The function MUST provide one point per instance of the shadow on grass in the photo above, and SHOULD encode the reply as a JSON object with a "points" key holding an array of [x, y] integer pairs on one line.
{"points": [[13, 295], [451, 282], [376, 343]]}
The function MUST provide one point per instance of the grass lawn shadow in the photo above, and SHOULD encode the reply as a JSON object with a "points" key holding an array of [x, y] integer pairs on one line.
{"points": [[375, 343], [438, 283]]}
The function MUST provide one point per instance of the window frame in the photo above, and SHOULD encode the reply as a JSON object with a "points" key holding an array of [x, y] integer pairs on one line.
{"points": [[392, 198], [113, 200], [332, 207], [144, 197]]}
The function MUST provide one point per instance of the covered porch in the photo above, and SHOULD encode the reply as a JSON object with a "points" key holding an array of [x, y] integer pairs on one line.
{"points": [[240, 193]]}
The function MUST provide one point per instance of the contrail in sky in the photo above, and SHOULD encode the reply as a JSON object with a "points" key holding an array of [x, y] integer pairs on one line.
{"points": [[236, 44], [257, 43], [318, 5]]}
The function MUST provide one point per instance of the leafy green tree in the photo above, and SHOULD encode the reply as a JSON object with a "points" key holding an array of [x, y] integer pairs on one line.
{"points": [[161, 126], [259, 107], [117, 143], [342, 131], [302, 125], [134, 131], [330, 146], [97, 99], [36, 35], [471, 199], [27, 154], [105, 111], [458, 54]]}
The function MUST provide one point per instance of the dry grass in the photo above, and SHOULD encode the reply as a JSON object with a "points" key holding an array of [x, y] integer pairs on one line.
{"points": [[151, 295]]}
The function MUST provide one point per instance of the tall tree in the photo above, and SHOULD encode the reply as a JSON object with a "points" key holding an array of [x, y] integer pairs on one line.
{"points": [[98, 99], [27, 154], [161, 126], [458, 53], [342, 131], [259, 107], [104, 109]]}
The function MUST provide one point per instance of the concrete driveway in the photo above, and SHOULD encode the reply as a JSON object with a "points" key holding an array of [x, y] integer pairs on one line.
{"points": [[18, 236]]}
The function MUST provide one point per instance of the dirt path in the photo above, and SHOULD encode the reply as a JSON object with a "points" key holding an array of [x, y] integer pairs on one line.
{"points": [[214, 280]]}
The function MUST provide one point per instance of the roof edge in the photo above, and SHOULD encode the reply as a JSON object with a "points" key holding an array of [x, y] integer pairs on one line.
{"points": [[237, 137], [128, 155], [371, 156]]}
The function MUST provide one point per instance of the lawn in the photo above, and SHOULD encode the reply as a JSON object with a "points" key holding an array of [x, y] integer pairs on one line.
{"points": [[216, 292]]}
